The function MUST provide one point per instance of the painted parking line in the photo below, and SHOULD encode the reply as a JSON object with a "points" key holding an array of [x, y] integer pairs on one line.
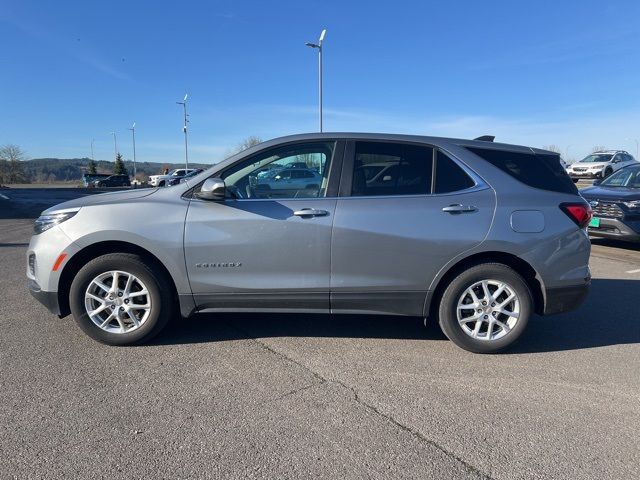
{"points": [[637, 270], [4, 196]]}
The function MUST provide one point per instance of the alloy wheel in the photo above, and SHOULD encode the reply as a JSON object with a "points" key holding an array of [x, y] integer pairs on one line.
{"points": [[117, 302], [488, 310]]}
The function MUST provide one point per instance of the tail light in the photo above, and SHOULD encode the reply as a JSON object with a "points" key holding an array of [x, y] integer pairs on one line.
{"points": [[580, 213]]}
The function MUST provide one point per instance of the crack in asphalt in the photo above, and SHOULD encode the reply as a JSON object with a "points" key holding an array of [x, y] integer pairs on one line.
{"points": [[322, 380]]}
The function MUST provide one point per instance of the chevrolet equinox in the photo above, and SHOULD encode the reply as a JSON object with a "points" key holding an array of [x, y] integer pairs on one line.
{"points": [[476, 235]]}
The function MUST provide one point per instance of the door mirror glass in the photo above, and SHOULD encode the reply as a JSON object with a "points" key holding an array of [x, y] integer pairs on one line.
{"points": [[212, 189]]}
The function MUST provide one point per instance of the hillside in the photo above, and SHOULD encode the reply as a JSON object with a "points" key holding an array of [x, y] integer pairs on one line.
{"points": [[72, 169]]}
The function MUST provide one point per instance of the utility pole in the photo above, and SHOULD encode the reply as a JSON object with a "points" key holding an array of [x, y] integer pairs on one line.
{"points": [[115, 145], [133, 132], [92, 140], [319, 47], [184, 129]]}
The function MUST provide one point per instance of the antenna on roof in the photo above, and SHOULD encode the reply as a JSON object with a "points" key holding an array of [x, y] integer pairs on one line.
{"points": [[486, 138]]}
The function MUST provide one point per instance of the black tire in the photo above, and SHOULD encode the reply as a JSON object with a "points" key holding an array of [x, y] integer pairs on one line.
{"points": [[156, 281], [447, 310], [162, 183]]}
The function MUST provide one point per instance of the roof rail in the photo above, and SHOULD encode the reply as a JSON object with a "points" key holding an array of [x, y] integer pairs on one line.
{"points": [[486, 138]]}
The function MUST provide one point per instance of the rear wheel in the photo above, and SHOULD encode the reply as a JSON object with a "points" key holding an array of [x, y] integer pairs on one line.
{"points": [[162, 183], [119, 299], [486, 308]]}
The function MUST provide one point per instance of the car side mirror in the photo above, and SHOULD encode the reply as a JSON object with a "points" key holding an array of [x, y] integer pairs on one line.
{"points": [[212, 189], [597, 182]]}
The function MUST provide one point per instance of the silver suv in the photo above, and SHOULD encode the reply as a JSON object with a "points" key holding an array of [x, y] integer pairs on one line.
{"points": [[476, 235]]}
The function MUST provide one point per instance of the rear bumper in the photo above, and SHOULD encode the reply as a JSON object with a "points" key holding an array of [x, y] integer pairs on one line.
{"points": [[48, 299], [614, 228], [565, 299]]}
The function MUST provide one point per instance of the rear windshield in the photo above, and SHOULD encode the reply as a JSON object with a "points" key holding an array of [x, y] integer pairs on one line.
{"points": [[536, 170]]}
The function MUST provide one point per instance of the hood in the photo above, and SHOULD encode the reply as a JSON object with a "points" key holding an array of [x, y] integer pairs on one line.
{"points": [[589, 164], [611, 194], [102, 198]]}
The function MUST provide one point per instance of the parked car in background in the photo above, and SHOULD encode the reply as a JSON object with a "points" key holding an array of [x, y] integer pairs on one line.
{"points": [[162, 180], [616, 205], [113, 181], [88, 179], [289, 180], [465, 233], [176, 180], [600, 164]]}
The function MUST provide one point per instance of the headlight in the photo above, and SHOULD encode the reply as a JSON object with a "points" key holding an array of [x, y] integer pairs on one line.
{"points": [[45, 222], [595, 168], [633, 204]]}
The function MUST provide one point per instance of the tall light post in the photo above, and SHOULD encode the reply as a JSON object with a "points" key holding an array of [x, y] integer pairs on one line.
{"points": [[184, 129], [115, 144], [92, 140], [133, 132], [319, 47]]}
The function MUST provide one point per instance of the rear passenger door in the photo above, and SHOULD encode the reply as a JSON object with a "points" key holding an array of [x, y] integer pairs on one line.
{"points": [[396, 228]]}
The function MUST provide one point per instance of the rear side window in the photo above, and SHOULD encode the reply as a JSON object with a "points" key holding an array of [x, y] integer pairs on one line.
{"points": [[391, 169], [535, 170], [449, 176]]}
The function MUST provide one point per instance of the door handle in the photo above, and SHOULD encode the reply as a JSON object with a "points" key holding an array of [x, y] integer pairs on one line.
{"points": [[458, 208], [310, 212]]}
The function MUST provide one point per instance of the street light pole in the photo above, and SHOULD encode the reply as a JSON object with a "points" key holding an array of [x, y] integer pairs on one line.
{"points": [[133, 132], [319, 47], [115, 144], [184, 129], [92, 140]]}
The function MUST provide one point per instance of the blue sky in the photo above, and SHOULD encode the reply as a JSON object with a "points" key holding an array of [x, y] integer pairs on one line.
{"points": [[536, 73]]}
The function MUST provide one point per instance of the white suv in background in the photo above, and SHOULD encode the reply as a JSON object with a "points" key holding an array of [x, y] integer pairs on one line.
{"points": [[162, 180], [600, 164]]}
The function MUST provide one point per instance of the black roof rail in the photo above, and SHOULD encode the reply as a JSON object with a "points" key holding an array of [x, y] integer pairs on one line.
{"points": [[486, 138]]}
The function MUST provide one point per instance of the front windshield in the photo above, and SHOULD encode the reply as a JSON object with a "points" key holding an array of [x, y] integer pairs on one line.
{"points": [[625, 178], [597, 158]]}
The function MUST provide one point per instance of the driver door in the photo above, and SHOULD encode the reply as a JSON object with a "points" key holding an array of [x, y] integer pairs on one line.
{"points": [[266, 248]]}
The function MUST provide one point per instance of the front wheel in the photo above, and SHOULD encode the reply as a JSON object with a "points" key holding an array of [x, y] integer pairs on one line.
{"points": [[119, 299], [486, 308]]}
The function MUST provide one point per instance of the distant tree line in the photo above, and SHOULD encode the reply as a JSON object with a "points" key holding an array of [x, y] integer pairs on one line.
{"points": [[15, 167]]}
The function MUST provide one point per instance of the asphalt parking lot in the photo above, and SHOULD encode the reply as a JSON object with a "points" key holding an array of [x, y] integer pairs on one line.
{"points": [[299, 396]]}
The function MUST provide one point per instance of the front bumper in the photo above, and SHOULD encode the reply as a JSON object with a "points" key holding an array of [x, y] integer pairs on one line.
{"points": [[48, 299], [565, 299], [615, 229], [585, 175]]}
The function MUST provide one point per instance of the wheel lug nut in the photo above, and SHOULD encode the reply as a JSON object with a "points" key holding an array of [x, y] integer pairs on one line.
{"points": [[479, 310], [112, 307], [486, 316], [493, 304], [120, 294], [126, 300], [484, 303], [122, 309]]}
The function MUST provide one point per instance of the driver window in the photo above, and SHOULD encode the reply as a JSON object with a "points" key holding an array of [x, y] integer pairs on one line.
{"points": [[296, 171]]}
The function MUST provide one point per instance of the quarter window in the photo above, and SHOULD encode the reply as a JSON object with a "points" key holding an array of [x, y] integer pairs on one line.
{"points": [[391, 169], [541, 171]]}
